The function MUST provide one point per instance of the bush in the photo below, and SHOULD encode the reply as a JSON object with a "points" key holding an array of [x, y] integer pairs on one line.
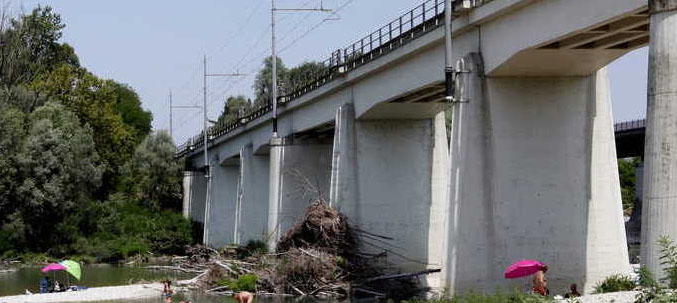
{"points": [[614, 283], [646, 278], [668, 257], [656, 295], [253, 247], [243, 283]]}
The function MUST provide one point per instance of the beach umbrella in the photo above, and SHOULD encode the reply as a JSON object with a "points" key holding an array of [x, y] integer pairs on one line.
{"points": [[53, 267], [522, 269], [72, 268]]}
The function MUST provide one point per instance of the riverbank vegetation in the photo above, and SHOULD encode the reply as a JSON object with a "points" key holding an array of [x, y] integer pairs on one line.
{"points": [[81, 173]]}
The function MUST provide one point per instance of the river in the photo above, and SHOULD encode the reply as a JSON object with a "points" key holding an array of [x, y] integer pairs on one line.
{"points": [[15, 283]]}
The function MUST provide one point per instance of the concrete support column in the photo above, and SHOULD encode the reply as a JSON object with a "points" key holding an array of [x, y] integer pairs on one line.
{"points": [[400, 165], [606, 249], [222, 217], [534, 176], [198, 192], [660, 182], [254, 170], [187, 195], [300, 172], [344, 188]]}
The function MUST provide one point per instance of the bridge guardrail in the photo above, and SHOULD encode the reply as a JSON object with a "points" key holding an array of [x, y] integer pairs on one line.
{"points": [[413, 24], [630, 125]]}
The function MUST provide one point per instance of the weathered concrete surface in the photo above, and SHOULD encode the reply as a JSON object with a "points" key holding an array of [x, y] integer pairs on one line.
{"points": [[222, 217], [660, 162], [534, 177], [300, 173], [187, 188], [254, 205], [344, 187], [198, 193], [127, 292]]}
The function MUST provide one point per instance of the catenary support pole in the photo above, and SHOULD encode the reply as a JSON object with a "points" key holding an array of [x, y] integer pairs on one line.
{"points": [[273, 59], [448, 55], [660, 182], [205, 236]]}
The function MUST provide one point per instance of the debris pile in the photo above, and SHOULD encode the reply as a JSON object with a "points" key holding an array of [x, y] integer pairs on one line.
{"points": [[318, 256]]}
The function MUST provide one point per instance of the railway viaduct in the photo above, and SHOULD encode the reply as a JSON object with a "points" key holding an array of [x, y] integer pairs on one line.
{"points": [[527, 169]]}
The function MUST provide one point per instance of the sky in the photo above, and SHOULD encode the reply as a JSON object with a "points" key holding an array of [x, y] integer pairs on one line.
{"points": [[157, 46]]}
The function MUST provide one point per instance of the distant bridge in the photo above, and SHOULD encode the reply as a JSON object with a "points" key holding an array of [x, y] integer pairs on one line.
{"points": [[630, 138]]}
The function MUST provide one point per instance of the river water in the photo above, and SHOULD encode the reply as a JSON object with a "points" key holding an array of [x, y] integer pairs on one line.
{"points": [[15, 283]]}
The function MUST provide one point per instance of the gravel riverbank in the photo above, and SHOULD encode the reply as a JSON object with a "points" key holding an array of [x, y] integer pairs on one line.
{"points": [[126, 292]]}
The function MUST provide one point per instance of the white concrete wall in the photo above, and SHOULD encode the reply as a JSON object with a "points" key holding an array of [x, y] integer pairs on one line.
{"points": [[536, 179], [197, 197], [187, 195], [394, 168], [254, 204], [301, 172], [223, 204]]}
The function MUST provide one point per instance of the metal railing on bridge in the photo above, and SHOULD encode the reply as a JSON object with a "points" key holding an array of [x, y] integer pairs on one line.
{"points": [[413, 24], [630, 125]]}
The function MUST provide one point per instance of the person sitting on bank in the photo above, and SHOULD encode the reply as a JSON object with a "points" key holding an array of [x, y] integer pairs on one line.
{"points": [[573, 293], [541, 282], [44, 285]]}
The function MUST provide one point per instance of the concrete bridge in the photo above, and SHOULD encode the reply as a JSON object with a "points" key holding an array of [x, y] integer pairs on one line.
{"points": [[529, 170]]}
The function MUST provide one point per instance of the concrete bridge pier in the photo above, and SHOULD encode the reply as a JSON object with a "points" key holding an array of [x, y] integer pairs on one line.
{"points": [[534, 176], [194, 194], [389, 178], [300, 171], [253, 210], [660, 162], [223, 204]]}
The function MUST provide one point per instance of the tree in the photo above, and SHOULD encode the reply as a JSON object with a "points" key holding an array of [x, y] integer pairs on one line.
{"points": [[263, 82], [128, 105], [94, 101], [11, 136], [304, 74], [628, 180], [234, 108], [153, 176], [60, 169], [30, 47]]}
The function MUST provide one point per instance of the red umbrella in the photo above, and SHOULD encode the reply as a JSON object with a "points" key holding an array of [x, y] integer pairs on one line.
{"points": [[523, 268]]}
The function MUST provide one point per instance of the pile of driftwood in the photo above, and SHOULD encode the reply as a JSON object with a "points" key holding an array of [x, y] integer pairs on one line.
{"points": [[319, 256]]}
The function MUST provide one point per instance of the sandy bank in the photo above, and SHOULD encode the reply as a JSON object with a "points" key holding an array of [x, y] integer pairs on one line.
{"points": [[126, 292]]}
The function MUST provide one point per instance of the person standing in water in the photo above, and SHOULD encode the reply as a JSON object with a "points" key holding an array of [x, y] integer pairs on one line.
{"points": [[243, 297], [541, 282]]}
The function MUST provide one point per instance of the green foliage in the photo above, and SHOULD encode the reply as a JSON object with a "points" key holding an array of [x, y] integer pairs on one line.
{"points": [[233, 108], [31, 47], [60, 168], [68, 141], [656, 295], [303, 74], [499, 297], [252, 248], [628, 180], [614, 283], [152, 175], [128, 105], [263, 83], [245, 282], [646, 277], [668, 257]]}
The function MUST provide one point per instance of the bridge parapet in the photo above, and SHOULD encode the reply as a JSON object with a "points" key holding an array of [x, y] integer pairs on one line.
{"points": [[630, 125]]}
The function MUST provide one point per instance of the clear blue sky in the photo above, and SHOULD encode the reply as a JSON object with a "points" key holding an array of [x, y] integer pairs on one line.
{"points": [[157, 45]]}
